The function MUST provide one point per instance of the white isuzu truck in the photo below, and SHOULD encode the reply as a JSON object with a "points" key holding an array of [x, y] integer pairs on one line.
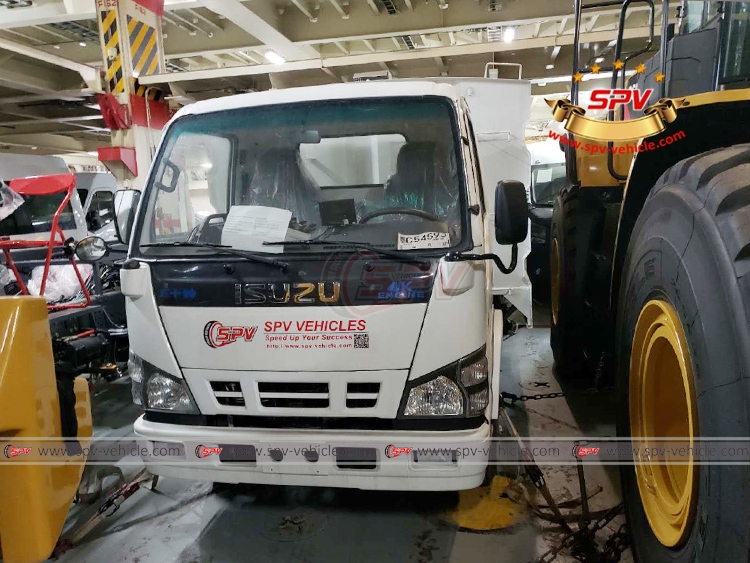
{"points": [[326, 266]]}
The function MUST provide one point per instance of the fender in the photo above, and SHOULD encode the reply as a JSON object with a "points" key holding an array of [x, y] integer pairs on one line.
{"points": [[709, 122]]}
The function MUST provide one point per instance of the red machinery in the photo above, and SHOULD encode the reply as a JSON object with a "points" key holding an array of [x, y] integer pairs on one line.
{"points": [[42, 186]]}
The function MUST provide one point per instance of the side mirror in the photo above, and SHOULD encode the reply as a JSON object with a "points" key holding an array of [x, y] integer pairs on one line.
{"points": [[91, 249], [511, 212], [126, 204]]}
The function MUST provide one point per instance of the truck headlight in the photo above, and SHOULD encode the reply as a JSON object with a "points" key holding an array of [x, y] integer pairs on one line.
{"points": [[437, 397], [460, 389], [155, 390]]}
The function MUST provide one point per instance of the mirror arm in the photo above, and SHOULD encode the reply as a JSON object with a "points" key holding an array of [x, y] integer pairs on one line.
{"points": [[461, 257]]}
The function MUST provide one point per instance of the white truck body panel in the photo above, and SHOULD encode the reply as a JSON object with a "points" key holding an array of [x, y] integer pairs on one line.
{"points": [[499, 111]]}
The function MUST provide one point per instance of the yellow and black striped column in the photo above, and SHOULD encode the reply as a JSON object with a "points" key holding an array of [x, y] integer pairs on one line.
{"points": [[112, 52], [144, 53]]}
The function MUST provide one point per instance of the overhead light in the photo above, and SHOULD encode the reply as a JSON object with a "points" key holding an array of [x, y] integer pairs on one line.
{"points": [[274, 57], [93, 153], [206, 165], [34, 148], [550, 67], [509, 34], [82, 43], [55, 46], [599, 59], [541, 84]]}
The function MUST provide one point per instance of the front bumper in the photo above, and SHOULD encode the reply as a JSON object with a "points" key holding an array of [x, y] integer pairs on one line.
{"points": [[464, 468]]}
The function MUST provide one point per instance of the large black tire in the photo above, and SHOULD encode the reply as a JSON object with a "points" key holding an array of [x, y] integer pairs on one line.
{"points": [[566, 324], [690, 247]]}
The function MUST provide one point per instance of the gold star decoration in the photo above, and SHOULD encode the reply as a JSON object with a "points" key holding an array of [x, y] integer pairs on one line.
{"points": [[640, 69], [595, 68], [618, 64], [577, 77], [660, 77]]}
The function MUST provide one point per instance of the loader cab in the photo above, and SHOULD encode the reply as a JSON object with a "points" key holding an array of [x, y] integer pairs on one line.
{"points": [[708, 50]]}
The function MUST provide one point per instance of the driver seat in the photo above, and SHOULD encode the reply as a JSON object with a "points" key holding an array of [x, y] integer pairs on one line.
{"points": [[425, 179]]}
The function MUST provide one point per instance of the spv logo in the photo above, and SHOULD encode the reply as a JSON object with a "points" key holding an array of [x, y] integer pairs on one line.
{"points": [[582, 451], [217, 335], [12, 451], [394, 451], [205, 451], [602, 98]]}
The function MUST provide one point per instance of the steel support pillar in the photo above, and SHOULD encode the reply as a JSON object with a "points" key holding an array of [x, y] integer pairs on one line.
{"points": [[132, 47]]}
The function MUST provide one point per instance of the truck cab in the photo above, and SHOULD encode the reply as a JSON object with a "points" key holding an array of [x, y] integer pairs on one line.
{"points": [[315, 284]]}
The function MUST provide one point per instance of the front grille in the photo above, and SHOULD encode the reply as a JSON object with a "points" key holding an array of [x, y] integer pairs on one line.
{"points": [[362, 395], [294, 395], [228, 393]]}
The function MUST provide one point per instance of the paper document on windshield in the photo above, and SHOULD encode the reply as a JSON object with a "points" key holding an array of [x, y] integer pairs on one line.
{"points": [[248, 226]]}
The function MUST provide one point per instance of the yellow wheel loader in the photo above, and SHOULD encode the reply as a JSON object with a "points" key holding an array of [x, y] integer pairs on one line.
{"points": [[650, 256], [36, 409]]}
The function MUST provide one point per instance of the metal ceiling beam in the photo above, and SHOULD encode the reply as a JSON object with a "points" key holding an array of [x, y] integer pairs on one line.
{"points": [[67, 10], [253, 24], [336, 77], [305, 10], [391, 56], [49, 120], [89, 74], [190, 24], [462, 15], [442, 67], [342, 12], [205, 20], [18, 79], [60, 143], [71, 95], [340, 47], [23, 36], [53, 33]]}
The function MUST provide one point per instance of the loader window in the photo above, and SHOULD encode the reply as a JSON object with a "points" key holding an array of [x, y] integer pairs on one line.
{"points": [[546, 182], [736, 64]]}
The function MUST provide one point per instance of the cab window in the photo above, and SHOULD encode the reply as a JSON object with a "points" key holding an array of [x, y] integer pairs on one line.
{"points": [[101, 211]]}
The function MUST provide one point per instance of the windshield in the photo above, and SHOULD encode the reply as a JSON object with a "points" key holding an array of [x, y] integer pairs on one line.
{"points": [[546, 182], [383, 172], [35, 216]]}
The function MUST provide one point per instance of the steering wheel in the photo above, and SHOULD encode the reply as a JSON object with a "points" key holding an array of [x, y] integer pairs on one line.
{"points": [[203, 230], [400, 211]]}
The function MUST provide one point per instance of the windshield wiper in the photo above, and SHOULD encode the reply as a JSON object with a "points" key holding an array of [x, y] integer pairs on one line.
{"points": [[360, 245], [225, 249]]}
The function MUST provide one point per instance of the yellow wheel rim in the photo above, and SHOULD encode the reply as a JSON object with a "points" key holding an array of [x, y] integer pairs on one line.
{"points": [[663, 405], [555, 275]]}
